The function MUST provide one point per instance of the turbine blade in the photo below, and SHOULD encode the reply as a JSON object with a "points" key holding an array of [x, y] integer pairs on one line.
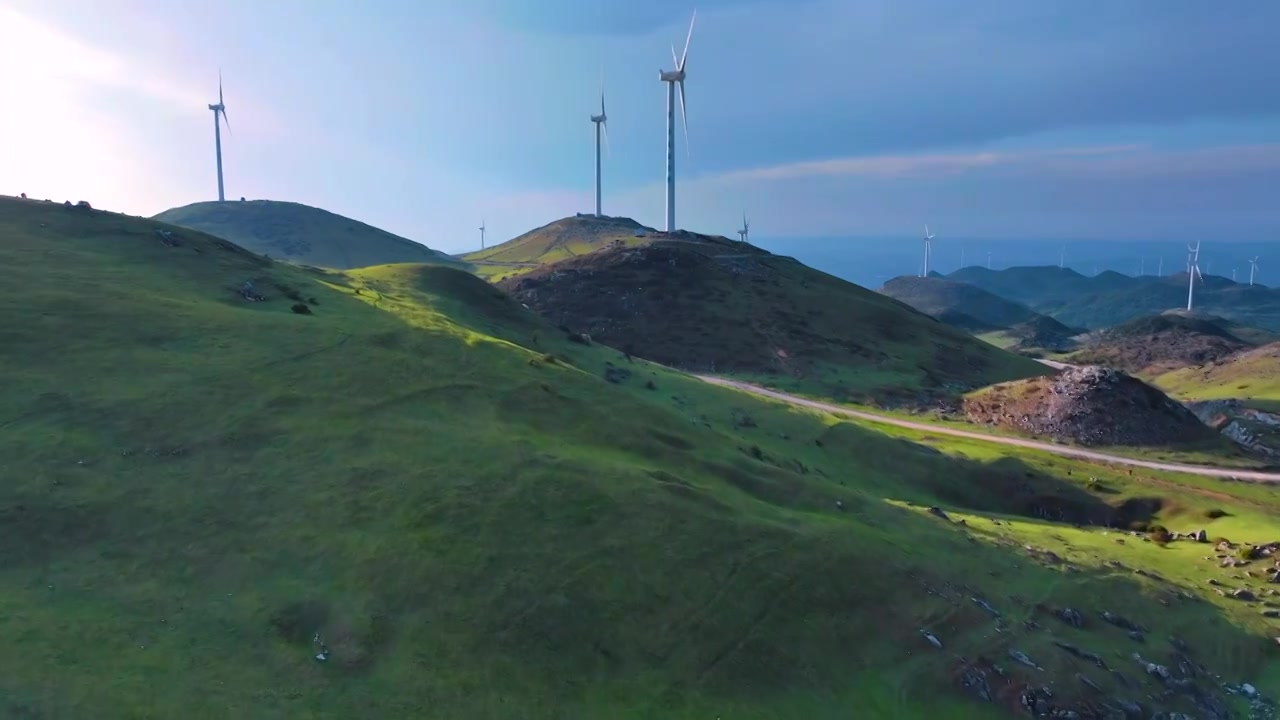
{"points": [[225, 121], [219, 86], [675, 59], [684, 118], [687, 39], [604, 129]]}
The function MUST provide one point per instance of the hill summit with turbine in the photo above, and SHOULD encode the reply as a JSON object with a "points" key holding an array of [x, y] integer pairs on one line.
{"points": [[302, 234]]}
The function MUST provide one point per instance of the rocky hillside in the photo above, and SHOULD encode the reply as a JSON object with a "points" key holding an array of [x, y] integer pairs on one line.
{"points": [[714, 305], [1161, 343], [1091, 405]]}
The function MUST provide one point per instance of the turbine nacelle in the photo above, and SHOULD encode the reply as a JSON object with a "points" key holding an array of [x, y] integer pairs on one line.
{"points": [[676, 76]]}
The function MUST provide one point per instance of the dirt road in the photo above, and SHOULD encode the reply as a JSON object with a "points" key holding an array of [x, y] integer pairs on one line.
{"points": [[1062, 450]]}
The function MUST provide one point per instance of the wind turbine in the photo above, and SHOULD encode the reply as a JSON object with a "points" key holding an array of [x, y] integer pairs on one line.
{"points": [[672, 78], [1253, 268], [1233, 274], [961, 257], [1193, 263], [482, 234], [1062, 257], [1142, 267], [601, 122], [219, 109], [928, 250], [745, 232], [988, 260], [1160, 267]]}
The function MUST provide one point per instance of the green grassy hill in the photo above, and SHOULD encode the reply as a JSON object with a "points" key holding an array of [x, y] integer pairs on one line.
{"points": [[480, 519], [1110, 298], [560, 240], [301, 234], [714, 305]]}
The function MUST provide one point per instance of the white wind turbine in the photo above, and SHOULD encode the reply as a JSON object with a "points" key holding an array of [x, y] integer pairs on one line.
{"points": [[672, 78], [219, 109], [1253, 268], [601, 122], [1193, 271], [1160, 267], [1062, 257], [745, 232], [482, 234], [928, 250]]}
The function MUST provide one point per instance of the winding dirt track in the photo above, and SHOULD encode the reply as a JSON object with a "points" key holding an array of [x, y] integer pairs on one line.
{"points": [[1062, 450]]}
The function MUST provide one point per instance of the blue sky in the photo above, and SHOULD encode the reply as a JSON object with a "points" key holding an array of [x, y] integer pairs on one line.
{"points": [[1147, 119]]}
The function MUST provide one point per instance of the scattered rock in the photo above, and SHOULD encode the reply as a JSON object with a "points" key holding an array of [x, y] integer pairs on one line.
{"points": [[1082, 654], [1202, 536], [933, 639], [937, 512], [1131, 710], [1244, 594], [1089, 683], [974, 680], [1135, 635], [1020, 657], [986, 606], [1271, 613], [1120, 622]]}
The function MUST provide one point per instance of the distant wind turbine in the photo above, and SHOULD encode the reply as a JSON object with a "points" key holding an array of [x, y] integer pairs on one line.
{"points": [[1062, 257], [1253, 268], [482, 234], [1193, 263], [1142, 267], [219, 109], [988, 260], [601, 122], [962, 257], [745, 232], [1160, 268], [928, 250], [672, 78], [1233, 274]]}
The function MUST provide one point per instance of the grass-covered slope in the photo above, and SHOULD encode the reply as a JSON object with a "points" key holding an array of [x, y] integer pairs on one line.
{"points": [[559, 240], [718, 306], [478, 519], [1251, 375], [301, 234]]}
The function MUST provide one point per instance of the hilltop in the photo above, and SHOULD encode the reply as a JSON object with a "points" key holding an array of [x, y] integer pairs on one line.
{"points": [[393, 492], [559, 240], [714, 305], [968, 307], [301, 234], [1111, 299], [1251, 375], [1160, 343]]}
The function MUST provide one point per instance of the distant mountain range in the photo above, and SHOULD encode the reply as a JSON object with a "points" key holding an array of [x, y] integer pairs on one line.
{"points": [[1110, 298]]}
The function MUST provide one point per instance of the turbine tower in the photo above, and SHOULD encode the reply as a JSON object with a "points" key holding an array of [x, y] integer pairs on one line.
{"points": [[1160, 267], [988, 261], [1062, 257], [745, 232], [1253, 268], [1193, 265], [482, 234], [219, 109], [601, 122], [928, 250], [672, 78]]}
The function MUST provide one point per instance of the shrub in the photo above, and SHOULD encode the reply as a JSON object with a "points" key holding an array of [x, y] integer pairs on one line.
{"points": [[649, 385], [1215, 513], [301, 308], [313, 301], [1159, 534]]}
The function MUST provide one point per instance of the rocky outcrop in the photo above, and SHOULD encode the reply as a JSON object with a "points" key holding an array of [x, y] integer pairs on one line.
{"points": [[1088, 405]]}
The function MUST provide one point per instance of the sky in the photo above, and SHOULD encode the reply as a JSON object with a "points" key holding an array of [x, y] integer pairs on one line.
{"points": [[1136, 120]]}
